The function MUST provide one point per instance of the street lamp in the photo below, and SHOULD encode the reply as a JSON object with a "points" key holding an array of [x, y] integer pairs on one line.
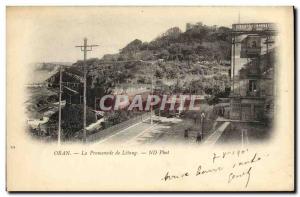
{"points": [[200, 135]]}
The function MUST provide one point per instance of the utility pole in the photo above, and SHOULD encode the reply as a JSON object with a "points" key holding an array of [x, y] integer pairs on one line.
{"points": [[85, 48], [59, 106], [233, 62], [200, 135], [61, 86], [151, 118], [242, 138]]}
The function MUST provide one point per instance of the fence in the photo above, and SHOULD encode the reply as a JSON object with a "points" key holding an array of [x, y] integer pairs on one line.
{"points": [[118, 127]]}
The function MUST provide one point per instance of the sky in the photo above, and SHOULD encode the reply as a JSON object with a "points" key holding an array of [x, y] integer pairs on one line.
{"points": [[51, 33]]}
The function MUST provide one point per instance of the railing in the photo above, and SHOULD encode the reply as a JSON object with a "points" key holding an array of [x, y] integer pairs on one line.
{"points": [[253, 27], [34, 85], [246, 94], [253, 93], [118, 127], [252, 51]]}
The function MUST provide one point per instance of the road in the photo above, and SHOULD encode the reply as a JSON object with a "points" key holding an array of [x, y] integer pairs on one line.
{"points": [[128, 133], [140, 133], [214, 137]]}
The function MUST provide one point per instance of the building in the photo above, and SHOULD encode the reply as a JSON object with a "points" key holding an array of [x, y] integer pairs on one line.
{"points": [[252, 71]]}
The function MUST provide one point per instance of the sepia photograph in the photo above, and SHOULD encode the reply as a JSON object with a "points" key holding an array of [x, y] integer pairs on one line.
{"points": [[200, 94], [200, 83]]}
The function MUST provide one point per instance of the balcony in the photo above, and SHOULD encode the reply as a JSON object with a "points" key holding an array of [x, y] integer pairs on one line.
{"points": [[253, 93], [250, 52], [253, 27]]}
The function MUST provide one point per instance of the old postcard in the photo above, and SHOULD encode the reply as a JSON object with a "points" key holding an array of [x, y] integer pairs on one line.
{"points": [[150, 99]]}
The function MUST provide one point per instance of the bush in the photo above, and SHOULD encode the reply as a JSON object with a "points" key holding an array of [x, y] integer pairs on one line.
{"points": [[72, 119]]}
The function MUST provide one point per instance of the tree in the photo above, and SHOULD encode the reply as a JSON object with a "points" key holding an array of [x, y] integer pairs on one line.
{"points": [[72, 120], [132, 46], [159, 73]]}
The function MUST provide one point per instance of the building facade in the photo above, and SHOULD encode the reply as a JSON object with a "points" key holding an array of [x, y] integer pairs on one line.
{"points": [[252, 71]]}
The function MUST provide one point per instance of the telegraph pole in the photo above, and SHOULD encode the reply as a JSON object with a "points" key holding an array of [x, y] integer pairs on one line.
{"points": [[152, 89], [151, 118], [85, 48], [59, 107]]}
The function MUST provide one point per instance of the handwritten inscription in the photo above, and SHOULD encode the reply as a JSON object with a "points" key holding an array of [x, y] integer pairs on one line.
{"points": [[226, 154], [233, 176], [201, 171], [171, 177], [240, 170]]}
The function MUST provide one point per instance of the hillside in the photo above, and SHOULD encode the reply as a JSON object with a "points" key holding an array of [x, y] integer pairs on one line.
{"points": [[192, 62], [178, 53], [179, 61]]}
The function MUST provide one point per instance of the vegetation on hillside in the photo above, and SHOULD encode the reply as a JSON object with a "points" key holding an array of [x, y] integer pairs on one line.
{"points": [[173, 60]]}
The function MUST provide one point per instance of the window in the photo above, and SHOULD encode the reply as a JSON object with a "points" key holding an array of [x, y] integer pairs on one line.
{"points": [[252, 86]]}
